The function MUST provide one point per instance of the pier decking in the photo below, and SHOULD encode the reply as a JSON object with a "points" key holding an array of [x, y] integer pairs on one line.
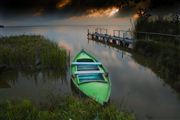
{"points": [[117, 39]]}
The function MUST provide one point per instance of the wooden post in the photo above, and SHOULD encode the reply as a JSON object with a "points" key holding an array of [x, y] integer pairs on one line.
{"points": [[69, 57], [119, 33], [96, 30], [122, 54], [88, 31], [123, 36]]}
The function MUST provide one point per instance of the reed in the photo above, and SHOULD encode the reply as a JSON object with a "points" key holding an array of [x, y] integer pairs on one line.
{"points": [[67, 108], [31, 52]]}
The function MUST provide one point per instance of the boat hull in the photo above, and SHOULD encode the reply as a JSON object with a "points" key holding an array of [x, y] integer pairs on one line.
{"points": [[94, 84]]}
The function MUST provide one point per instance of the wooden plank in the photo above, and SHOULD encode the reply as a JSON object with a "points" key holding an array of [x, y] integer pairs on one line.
{"points": [[86, 63], [88, 72]]}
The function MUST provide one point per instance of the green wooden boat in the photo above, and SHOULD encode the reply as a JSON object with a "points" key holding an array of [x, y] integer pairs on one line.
{"points": [[90, 77]]}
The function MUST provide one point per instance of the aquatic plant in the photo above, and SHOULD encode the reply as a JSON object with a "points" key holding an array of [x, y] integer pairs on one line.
{"points": [[67, 108], [31, 52]]}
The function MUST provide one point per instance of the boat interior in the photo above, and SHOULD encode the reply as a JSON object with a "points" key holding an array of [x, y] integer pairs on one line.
{"points": [[90, 77], [87, 67], [85, 60]]}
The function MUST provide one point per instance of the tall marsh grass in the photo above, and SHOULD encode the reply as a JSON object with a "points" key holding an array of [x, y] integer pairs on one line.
{"points": [[68, 108], [31, 52]]}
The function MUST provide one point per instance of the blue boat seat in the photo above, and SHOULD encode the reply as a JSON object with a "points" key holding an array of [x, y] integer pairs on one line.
{"points": [[87, 67], [88, 72], [86, 63], [90, 78]]}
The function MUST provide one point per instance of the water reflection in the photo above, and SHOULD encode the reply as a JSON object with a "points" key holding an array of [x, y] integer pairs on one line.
{"points": [[146, 93], [33, 85], [4, 84], [8, 78], [165, 51], [133, 85]]}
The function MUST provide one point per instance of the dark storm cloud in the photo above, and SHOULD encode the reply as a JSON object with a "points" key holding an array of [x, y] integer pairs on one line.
{"points": [[56, 7], [161, 3], [20, 6], [71, 6]]}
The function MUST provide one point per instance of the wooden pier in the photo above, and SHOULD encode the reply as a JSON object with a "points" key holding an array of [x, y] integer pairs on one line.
{"points": [[119, 37]]}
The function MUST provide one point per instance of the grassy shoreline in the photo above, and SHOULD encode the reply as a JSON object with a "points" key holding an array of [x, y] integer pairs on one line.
{"points": [[31, 52], [160, 53], [67, 108]]}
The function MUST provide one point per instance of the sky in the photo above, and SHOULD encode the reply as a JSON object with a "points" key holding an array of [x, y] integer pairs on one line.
{"points": [[44, 12]]}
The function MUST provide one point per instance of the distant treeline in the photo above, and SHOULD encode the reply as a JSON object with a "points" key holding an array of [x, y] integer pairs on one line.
{"points": [[169, 24]]}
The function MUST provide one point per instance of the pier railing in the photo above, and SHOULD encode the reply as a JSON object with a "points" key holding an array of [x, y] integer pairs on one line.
{"points": [[119, 37], [125, 38], [161, 34]]}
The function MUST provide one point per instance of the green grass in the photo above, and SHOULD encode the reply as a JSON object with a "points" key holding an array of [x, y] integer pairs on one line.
{"points": [[31, 52], [67, 108]]}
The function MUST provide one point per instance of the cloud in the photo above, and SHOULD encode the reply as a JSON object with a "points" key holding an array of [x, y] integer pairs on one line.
{"points": [[61, 4], [39, 12], [66, 5], [69, 8], [108, 12]]}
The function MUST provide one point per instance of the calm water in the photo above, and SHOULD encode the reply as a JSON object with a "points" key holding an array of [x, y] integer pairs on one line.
{"points": [[134, 87]]}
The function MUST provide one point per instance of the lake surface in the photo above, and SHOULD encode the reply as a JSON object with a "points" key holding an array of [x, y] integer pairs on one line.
{"points": [[134, 87]]}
